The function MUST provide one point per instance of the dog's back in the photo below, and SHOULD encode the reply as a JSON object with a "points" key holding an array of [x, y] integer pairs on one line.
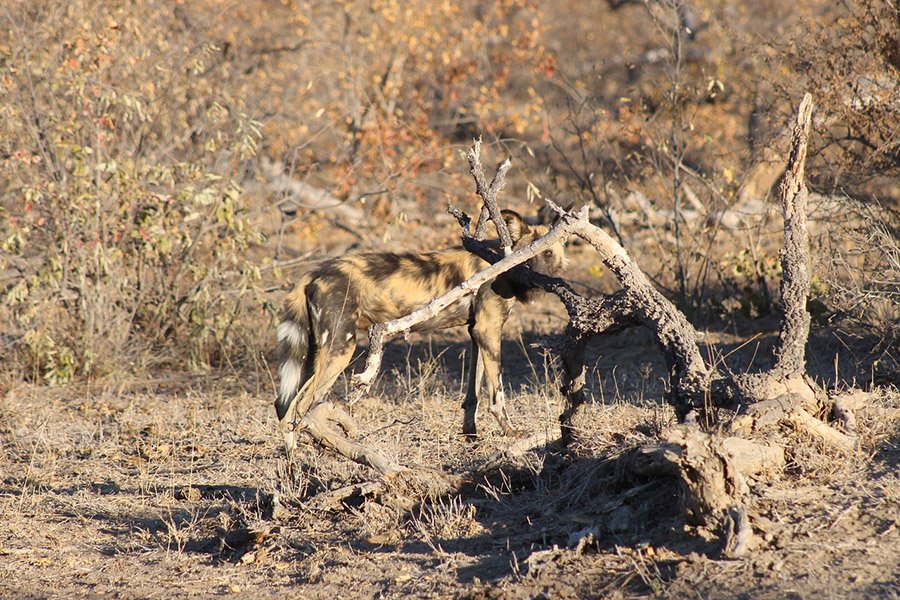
{"points": [[378, 287]]}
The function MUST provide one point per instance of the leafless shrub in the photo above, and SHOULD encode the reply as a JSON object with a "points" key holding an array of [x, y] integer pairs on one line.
{"points": [[861, 278], [852, 56]]}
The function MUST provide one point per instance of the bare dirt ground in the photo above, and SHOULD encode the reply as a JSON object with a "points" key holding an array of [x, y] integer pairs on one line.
{"points": [[175, 487]]}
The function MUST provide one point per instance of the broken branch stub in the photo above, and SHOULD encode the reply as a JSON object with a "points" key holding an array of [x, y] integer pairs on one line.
{"points": [[795, 320]]}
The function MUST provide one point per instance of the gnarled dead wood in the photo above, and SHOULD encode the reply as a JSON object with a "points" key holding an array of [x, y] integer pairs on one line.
{"points": [[677, 338], [318, 424], [712, 467], [785, 394], [714, 492], [790, 364], [404, 485], [748, 457]]}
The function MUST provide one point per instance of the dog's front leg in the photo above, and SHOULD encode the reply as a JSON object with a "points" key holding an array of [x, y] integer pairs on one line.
{"points": [[473, 388], [486, 337]]}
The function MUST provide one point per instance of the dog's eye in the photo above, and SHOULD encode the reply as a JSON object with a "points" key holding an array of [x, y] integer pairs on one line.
{"points": [[548, 253]]}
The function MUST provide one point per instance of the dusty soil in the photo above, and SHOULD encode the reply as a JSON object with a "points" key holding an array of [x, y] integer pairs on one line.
{"points": [[175, 487]]}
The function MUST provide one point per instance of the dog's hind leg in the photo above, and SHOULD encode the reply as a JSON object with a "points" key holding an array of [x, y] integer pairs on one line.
{"points": [[329, 333], [296, 350], [332, 316]]}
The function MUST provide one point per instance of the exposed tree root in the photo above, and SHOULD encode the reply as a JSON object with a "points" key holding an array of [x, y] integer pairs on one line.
{"points": [[822, 432], [319, 423]]}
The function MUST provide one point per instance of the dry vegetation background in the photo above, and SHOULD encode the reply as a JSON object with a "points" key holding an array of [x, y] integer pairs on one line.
{"points": [[168, 167]]}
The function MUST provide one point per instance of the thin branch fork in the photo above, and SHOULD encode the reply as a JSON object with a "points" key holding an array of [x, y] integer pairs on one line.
{"points": [[488, 194]]}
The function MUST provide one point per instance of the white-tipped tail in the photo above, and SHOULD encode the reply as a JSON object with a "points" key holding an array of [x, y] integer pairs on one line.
{"points": [[294, 346]]}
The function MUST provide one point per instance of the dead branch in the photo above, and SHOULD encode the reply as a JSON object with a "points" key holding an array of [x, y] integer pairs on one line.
{"points": [[763, 417], [748, 457], [488, 194], [785, 395], [317, 424], [379, 333], [588, 317], [788, 375], [821, 431], [795, 320]]}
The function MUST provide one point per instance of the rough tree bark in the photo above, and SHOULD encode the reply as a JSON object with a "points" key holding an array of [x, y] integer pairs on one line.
{"points": [[689, 375]]}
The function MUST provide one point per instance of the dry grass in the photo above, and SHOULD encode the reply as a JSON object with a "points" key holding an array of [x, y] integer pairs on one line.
{"points": [[177, 488]]}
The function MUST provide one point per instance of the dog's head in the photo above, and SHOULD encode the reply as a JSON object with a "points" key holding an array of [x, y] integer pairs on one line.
{"points": [[552, 261]]}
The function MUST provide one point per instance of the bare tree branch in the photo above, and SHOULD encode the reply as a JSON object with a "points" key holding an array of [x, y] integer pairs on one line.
{"points": [[488, 195], [379, 333]]}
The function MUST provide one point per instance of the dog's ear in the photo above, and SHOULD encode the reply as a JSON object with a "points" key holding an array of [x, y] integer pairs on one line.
{"points": [[516, 225], [547, 216]]}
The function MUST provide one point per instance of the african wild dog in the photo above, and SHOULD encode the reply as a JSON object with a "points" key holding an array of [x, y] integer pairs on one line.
{"points": [[322, 314]]}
